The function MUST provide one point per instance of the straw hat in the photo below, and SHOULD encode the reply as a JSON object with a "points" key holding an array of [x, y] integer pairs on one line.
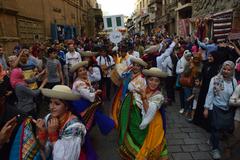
{"points": [[88, 53], [138, 61], [76, 66], [60, 92], [154, 72]]}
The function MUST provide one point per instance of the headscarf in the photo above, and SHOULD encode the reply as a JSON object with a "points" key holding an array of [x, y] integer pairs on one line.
{"points": [[218, 84], [17, 77], [238, 65], [3, 73], [183, 58]]}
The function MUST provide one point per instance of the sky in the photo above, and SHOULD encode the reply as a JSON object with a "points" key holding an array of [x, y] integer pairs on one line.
{"points": [[114, 7]]}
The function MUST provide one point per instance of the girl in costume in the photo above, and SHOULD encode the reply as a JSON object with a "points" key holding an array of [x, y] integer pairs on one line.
{"points": [[141, 131], [94, 71], [60, 133], [133, 79], [88, 105]]}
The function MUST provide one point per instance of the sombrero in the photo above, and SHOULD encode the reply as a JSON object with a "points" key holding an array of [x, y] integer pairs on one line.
{"points": [[60, 92], [154, 72], [76, 66], [138, 61], [88, 53]]}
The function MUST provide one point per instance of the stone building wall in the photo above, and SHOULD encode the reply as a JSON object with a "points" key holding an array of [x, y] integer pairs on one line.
{"points": [[28, 21]]}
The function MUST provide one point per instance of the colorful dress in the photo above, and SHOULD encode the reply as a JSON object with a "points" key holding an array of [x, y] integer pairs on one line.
{"points": [[141, 134], [88, 107], [130, 84], [70, 139]]}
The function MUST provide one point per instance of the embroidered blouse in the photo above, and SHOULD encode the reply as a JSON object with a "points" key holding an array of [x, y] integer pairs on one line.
{"points": [[71, 137], [155, 102], [84, 89]]}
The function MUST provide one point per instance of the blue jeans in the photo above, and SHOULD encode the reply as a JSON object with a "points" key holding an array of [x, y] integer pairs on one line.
{"points": [[187, 93]]}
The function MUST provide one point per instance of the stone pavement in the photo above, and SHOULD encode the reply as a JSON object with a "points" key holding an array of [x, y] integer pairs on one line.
{"points": [[186, 141]]}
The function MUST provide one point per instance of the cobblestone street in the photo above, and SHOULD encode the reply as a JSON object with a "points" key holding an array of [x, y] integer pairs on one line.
{"points": [[186, 141]]}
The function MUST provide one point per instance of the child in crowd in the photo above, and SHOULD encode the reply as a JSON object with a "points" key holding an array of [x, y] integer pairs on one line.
{"points": [[54, 75], [192, 99]]}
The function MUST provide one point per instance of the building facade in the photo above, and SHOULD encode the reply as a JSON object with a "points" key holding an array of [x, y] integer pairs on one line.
{"points": [[211, 18], [113, 22], [216, 19], [27, 21]]}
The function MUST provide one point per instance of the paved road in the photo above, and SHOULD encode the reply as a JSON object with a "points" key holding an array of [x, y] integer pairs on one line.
{"points": [[185, 140]]}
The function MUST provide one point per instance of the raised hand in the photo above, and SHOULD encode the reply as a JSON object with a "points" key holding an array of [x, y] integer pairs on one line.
{"points": [[6, 131], [53, 125], [40, 123]]}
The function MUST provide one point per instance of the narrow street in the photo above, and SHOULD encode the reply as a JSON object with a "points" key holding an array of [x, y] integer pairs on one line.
{"points": [[186, 141]]}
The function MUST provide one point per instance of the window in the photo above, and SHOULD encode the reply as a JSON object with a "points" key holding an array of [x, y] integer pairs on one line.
{"points": [[109, 22], [118, 21]]}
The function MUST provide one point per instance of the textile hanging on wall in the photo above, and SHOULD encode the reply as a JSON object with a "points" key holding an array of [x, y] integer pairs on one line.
{"points": [[222, 24], [183, 27]]}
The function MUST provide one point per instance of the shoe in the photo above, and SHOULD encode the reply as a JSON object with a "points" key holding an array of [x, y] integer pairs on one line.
{"points": [[181, 111], [190, 120], [216, 154]]}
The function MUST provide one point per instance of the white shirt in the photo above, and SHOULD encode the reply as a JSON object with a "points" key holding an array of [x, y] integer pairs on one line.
{"points": [[235, 101], [73, 58], [95, 76], [104, 61], [135, 54], [167, 66], [164, 55]]}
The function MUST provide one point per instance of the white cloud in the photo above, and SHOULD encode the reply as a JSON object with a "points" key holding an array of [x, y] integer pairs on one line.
{"points": [[114, 7]]}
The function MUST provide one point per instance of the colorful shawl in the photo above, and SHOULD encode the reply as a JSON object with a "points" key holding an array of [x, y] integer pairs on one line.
{"points": [[25, 145]]}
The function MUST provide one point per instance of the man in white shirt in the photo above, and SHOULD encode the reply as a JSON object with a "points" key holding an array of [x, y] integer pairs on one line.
{"points": [[133, 53], [72, 58], [106, 63]]}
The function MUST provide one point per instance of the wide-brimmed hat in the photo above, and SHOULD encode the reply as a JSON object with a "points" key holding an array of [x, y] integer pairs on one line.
{"points": [[154, 72], [76, 66], [88, 53], [138, 61], [60, 92]]}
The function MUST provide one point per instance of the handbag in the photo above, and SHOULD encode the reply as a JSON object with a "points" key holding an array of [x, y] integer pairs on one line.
{"points": [[186, 81], [223, 119]]}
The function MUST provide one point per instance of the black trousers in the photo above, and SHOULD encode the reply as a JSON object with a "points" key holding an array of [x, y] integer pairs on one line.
{"points": [[107, 83], [169, 85]]}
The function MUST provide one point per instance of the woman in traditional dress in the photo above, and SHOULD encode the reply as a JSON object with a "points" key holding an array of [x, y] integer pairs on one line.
{"points": [[88, 105], [141, 133], [133, 79], [94, 71], [60, 133]]}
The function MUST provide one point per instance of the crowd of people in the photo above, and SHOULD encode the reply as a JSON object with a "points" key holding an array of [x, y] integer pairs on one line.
{"points": [[76, 77]]}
